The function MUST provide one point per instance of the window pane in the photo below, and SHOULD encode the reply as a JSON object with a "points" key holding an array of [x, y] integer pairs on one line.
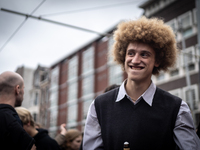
{"points": [[73, 67], [115, 74], [88, 60], [87, 86], [72, 91], [161, 77], [53, 117], [86, 105], [72, 113]]}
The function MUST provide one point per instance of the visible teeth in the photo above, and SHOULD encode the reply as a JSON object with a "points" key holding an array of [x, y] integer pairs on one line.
{"points": [[135, 68]]}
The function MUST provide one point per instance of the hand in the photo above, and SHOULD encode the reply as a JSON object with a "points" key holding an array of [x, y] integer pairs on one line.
{"points": [[33, 147], [63, 130]]}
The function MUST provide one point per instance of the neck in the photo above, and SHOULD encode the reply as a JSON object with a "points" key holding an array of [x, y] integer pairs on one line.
{"points": [[33, 132], [135, 90], [7, 99]]}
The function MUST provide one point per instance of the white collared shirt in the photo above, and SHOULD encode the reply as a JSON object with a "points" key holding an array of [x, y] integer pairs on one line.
{"points": [[184, 132]]}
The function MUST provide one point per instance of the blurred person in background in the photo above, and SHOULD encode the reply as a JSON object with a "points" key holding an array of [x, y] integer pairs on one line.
{"points": [[111, 87], [42, 140], [73, 140], [12, 134], [60, 138]]}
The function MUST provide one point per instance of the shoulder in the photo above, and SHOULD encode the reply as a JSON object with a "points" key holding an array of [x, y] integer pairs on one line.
{"points": [[163, 93], [167, 98], [7, 114], [43, 139]]}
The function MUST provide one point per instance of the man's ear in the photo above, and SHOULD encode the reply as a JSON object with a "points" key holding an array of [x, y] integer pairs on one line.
{"points": [[157, 64], [17, 89]]}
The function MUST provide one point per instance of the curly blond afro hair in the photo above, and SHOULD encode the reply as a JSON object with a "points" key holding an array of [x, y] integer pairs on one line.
{"points": [[150, 31]]}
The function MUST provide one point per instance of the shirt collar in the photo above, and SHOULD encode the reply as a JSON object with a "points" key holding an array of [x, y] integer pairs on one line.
{"points": [[147, 95]]}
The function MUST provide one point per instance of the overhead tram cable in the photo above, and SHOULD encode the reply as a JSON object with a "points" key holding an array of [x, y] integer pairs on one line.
{"points": [[20, 26], [92, 8], [54, 22]]}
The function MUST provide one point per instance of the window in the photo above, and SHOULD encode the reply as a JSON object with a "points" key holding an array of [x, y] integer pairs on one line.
{"points": [[46, 94], [188, 56], [35, 117], [194, 96], [110, 45], [53, 98], [88, 60], [72, 113], [72, 91], [37, 79], [185, 21], [115, 74], [191, 67], [161, 76], [54, 77], [36, 99], [195, 15], [173, 25], [53, 117], [73, 68], [86, 104], [87, 85], [174, 72], [54, 87], [176, 92]]}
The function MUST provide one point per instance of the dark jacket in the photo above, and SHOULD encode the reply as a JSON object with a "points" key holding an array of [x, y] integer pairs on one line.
{"points": [[44, 142], [12, 134], [143, 126]]}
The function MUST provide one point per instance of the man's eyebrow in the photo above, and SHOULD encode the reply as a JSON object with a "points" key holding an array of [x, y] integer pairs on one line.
{"points": [[131, 49]]}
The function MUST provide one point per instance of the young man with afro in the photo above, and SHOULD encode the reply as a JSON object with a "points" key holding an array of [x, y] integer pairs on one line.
{"points": [[138, 112]]}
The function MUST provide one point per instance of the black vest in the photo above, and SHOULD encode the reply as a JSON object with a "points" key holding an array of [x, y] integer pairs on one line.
{"points": [[144, 127]]}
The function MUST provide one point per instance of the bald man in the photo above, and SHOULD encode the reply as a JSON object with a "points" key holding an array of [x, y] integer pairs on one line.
{"points": [[12, 134]]}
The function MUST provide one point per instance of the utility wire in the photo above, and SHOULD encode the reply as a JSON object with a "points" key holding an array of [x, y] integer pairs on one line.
{"points": [[92, 8], [19, 27], [38, 6], [12, 35], [54, 22]]}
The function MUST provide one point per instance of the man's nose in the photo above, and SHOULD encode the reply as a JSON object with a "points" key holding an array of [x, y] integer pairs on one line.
{"points": [[136, 59]]}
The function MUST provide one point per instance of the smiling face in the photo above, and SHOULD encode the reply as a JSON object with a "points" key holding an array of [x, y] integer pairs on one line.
{"points": [[139, 62]]}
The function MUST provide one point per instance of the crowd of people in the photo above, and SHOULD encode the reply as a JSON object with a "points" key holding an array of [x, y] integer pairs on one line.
{"points": [[136, 112]]}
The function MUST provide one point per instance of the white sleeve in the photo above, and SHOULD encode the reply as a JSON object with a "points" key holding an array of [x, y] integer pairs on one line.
{"points": [[92, 134]]}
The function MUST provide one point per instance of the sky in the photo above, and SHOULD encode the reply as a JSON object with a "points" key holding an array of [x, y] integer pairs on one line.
{"points": [[31, 42]]}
